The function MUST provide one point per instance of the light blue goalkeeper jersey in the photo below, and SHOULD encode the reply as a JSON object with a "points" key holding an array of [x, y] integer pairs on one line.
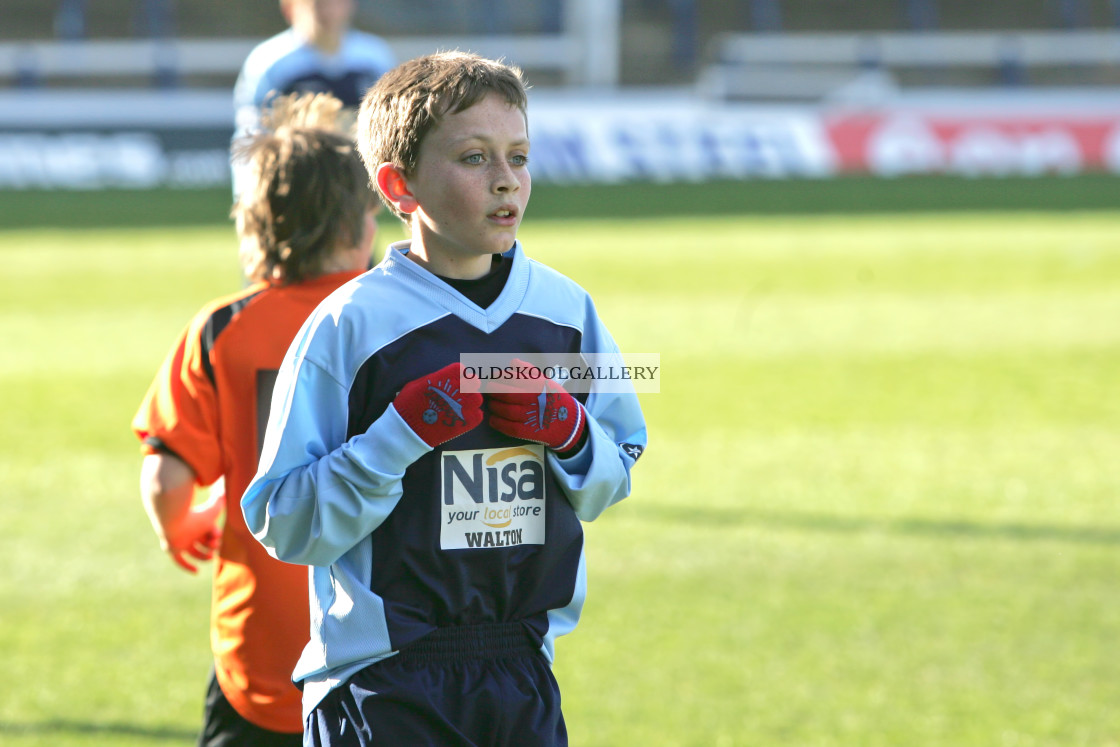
{"points": [[405, 539]]}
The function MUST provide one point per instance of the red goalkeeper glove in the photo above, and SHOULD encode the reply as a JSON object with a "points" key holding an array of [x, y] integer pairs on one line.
{"points": [[198, 534], [538, 409], [436, 408]]}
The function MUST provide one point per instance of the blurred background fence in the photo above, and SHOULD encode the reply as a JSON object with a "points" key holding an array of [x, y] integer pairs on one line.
{"points": [[137, 93]]}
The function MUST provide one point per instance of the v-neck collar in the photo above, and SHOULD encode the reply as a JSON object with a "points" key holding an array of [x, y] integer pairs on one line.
{"points": [[488, 319]]}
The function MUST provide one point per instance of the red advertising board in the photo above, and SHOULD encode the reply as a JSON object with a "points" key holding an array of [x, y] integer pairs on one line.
{"points": [[981, 144]]}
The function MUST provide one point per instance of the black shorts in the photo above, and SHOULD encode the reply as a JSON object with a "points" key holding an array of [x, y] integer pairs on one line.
{"points": [[458, 687], [223, 726]]}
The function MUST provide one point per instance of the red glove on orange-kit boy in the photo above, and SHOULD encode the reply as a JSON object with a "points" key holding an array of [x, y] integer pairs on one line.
{"points": [[436, 408], [196, 534], [536, 408]]}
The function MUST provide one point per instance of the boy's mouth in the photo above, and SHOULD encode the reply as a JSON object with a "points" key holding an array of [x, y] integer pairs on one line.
{"points": [[505, 215]]}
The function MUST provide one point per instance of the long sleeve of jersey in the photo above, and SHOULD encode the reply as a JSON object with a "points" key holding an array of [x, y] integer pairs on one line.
{"points": [[339, 490]]}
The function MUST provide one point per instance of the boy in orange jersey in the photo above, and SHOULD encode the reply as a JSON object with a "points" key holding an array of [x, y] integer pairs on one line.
{"points": [[306, 224]]}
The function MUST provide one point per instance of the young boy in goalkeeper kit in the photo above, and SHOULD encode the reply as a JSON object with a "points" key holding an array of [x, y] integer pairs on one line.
{"points": [[442, 525], [305, 219]]}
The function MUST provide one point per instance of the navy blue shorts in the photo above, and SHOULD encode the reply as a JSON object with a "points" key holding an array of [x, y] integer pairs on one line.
{"points": [[473, 686]]}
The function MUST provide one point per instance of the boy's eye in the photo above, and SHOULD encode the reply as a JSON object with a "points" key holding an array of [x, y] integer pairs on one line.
{"points": [[474, 158]]}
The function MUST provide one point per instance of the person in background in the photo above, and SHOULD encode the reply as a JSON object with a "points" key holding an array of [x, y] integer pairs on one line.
{"points": [[306, 224], [318, 53]]}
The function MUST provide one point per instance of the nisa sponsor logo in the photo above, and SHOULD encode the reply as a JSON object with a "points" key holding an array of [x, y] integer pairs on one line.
{"points": [[492, 498], [486, 476]]}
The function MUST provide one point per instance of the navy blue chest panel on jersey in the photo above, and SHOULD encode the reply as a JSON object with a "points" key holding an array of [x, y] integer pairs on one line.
{"points": [[350, 87], [214, 327], [499, 578]]}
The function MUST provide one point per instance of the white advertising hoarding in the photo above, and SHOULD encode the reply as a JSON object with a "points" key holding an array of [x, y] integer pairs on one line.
{"points": [[137, 139]]}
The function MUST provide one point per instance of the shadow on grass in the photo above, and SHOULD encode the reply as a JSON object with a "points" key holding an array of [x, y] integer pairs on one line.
{"points": [[88, 728], [818, 522]]}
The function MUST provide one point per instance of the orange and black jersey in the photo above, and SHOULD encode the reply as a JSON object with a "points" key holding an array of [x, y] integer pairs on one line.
{"points": [[208, 405]]}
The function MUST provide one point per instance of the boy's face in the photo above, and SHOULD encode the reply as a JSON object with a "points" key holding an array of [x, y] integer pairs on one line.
{"points": [[316, 17], [472, 183]]}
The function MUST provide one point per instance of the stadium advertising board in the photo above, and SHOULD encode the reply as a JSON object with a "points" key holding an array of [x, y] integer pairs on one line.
{"points": [[99, 159], [650, 138], [897, 143], [95, 140], [86, 139], [135, 141]]}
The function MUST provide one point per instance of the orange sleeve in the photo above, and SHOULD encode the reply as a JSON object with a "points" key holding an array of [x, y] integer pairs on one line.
{"points": [[181, 407]]}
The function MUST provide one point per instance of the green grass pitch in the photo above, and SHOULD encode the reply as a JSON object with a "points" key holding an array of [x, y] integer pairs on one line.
{"points": [[879, 507]]}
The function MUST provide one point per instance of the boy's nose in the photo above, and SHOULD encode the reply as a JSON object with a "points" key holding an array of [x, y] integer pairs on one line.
{"points": [[504, 178]]}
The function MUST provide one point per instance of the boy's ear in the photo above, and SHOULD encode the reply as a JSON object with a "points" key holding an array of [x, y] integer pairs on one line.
{"points": [[392, 184]]}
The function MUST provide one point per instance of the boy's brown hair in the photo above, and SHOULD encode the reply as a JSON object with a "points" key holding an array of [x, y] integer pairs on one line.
{"points": [[409, 100], [307, 191]]}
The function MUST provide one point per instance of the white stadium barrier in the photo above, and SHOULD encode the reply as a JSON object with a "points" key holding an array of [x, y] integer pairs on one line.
{"points": [[785, 66], [186, 57]]}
